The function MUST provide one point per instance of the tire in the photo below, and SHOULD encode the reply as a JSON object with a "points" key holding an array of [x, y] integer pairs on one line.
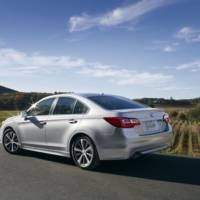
{"points": [[84, 153], [10, 141]]}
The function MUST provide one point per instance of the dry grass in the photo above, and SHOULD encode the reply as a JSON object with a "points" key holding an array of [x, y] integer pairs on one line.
{"points": [[186, 134], [186, 138], [6, 114]]}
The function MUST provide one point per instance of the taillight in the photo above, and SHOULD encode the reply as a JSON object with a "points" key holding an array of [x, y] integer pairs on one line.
{"points": [[123, 122], [166, 118]]}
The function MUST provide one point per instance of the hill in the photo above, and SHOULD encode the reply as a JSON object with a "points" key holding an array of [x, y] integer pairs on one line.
{"points": [[161, 102], [11, 99], [19, 100], [6, 90]]}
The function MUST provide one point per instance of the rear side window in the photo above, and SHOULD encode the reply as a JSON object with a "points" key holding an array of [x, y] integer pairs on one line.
{"points": [[65, 105], [80, 108], [115, 102]]}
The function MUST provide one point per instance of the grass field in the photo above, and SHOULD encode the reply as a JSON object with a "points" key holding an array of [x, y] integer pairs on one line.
{"points": [[6, 114], [186, 138], [186, 132]]}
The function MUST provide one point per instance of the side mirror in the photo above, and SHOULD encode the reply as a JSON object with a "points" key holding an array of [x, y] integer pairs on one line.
{"points": [[24, 115]]}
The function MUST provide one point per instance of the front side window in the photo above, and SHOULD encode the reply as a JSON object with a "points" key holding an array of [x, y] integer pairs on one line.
{"points": [[65, 105], [41, 108]]}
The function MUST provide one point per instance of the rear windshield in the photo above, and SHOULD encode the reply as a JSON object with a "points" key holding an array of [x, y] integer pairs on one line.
{"points": [[115, 102]]}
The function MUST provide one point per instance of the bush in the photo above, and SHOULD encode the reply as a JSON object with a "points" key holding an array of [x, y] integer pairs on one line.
{"points": [[182, 116], [194, 114], [174, 114]]}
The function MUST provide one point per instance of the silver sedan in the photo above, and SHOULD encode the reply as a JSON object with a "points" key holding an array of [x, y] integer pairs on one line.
{"points": [[88, 127]]}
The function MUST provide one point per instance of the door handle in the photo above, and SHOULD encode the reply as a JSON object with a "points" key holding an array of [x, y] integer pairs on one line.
{"points": [[43, 123], [72, 121]]}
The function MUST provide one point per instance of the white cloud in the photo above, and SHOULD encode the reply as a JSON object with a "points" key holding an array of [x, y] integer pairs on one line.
{"points": [[122, 76], [20, 63], [188, 34], [115, 17], [17, 63], [164, 45], [168, 48], [192, 66], [104, 71], [174, 88]]}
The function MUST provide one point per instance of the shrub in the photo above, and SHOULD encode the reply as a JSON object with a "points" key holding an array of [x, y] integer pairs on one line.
{"points": [[194, 114], [182, 116], [174, 114]]}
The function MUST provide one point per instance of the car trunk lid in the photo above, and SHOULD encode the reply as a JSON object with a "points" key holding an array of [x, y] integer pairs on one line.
{"points": [[151, 119]]}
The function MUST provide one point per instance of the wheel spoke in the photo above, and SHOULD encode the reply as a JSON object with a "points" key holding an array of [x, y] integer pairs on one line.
{"points": [[87, 160], [89, 154], [80, 159], [77, 149], [82, 143], [16, 143], [12, 147], [88, 149], [13, 135], [8, 136], [6, 144]]}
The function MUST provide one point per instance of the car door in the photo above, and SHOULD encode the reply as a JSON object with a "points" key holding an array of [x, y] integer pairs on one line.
{"points": [[32, 128], [64, 120]]}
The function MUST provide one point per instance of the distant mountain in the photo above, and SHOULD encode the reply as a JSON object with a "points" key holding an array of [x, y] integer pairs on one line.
{"points": [[6, 90], [14, 100]]}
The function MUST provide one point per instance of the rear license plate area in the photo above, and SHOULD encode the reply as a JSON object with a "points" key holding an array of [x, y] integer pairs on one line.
{"points": [[150, 126]]}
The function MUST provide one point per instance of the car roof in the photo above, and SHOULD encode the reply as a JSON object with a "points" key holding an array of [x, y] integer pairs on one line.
{"points": [[91, 94], [86, 95]]}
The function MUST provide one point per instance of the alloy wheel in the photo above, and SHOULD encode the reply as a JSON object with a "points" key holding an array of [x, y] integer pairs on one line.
{"points": [[83, 152], [10, 141]]}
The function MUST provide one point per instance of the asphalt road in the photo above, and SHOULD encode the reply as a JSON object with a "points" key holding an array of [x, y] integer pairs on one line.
{"points": [[37, 176]]}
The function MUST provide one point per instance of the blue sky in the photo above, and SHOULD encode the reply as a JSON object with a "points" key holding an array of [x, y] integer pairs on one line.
{"points": [[134, 48]]}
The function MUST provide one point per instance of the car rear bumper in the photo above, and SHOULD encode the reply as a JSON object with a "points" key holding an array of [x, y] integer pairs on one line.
{"points": [[134, 145]]}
